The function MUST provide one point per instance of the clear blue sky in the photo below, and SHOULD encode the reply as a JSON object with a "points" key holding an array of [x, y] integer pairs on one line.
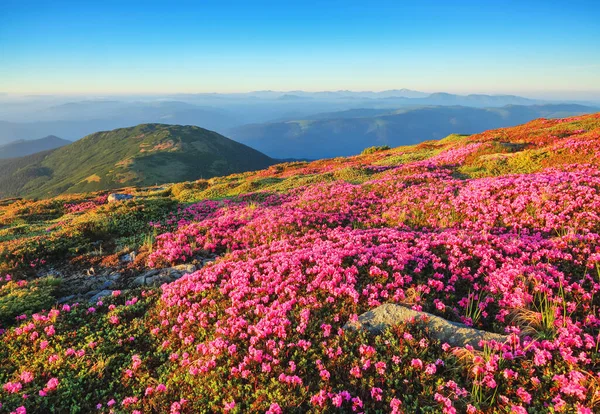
{"points": [[528, 47]]}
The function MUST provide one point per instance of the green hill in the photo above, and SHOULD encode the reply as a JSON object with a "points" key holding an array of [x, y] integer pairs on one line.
{"points": [[142, 155]]}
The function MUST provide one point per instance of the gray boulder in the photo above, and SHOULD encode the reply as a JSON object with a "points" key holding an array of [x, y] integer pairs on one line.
{"points": [[158, 280], [157, 277], [141, 280], [455, 334], [118, 197], [154, 277]]}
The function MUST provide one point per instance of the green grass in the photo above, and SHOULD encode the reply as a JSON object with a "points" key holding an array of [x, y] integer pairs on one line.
{"points": [[372, 150], [489, 165]]}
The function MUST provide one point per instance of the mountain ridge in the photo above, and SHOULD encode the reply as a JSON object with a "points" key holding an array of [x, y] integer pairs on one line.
{"points": [[141, 155], [22, 147], [348, 132]]}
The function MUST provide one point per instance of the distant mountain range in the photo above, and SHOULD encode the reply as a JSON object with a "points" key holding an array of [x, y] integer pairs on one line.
{"points": [[150, 154], [406, 94], [77, 119], [22, 147], [349, 132], [342, 94], [27, 117], [143, 155]]}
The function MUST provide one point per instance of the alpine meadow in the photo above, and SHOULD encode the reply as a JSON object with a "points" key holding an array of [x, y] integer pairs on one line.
{"points": [[329, 207]]}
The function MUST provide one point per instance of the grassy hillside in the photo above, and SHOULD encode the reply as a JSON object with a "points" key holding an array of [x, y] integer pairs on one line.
{"points": [[348, 132], [499, 231], [142, 155]]}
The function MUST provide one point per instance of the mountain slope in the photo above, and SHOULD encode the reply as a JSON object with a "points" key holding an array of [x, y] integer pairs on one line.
{"points": [[143, 155], [497, 231], [22, 148], [348, 132]]}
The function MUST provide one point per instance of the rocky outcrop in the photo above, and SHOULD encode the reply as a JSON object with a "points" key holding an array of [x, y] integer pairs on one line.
{"points": [[455, 334], [92, 284]]}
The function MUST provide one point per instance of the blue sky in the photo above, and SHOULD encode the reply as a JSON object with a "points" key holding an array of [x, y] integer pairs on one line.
{"points": [[536, 48]]}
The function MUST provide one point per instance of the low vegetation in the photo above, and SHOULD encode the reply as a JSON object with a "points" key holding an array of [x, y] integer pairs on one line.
{"points": [[499, 231]]}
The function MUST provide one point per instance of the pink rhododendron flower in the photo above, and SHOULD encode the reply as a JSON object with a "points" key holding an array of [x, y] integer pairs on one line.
{"points": [[12, 387], [26, 377], [416, 363], [51, 384]]}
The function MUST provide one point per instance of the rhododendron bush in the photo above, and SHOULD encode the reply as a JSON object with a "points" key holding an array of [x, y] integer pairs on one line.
{"points": [[262, 328]]}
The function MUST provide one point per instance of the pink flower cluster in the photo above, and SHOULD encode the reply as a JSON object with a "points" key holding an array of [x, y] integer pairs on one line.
{"points": [[86, 205], [501, 243]]}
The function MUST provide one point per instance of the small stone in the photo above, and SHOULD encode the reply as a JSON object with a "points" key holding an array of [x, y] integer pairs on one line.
{"points": [[127, 258], [152, 277], [141, 279]]}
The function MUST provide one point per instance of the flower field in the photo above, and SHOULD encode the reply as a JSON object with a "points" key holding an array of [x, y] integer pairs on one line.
{"points": [[499, 231]]}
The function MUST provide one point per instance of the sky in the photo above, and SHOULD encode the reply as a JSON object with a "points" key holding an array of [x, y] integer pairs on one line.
{"points": [[532, 48]]}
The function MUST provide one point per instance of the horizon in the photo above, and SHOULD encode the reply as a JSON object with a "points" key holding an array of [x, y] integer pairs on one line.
{"points": [[147, 48], [544, 96]]}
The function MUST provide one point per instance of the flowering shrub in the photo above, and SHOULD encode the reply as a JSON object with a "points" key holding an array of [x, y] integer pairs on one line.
{"points": [[86, 205], [374, 149], [20, 298]]}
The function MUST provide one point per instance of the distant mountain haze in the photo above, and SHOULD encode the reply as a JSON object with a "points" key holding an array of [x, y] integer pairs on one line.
{"points": [[147, 154], [37, 116], [75, 120], [22, 148], [349, 132]]}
